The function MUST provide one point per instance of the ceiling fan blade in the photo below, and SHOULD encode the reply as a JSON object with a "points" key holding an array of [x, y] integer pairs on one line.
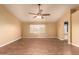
{"points": [[45, 14], [34, 16], [42, 17], [32, 13]]}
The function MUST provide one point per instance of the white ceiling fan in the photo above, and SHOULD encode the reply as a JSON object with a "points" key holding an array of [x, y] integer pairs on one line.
{"points": [[39, 14]]}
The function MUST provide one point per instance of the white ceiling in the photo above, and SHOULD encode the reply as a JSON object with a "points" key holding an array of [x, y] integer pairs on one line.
{"points": [[21, 11]]}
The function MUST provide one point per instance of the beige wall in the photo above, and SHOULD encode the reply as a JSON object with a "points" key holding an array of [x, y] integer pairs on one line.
{"points": [[9, 27], [50, 30], [75, 28], [60, 25], [60, 29]]}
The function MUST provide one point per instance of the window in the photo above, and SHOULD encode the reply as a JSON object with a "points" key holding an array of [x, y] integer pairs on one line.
{"points": [[37, 29]]}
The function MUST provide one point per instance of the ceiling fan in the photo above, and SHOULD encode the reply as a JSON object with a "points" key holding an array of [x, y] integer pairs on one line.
{"points": [[39, 14]]}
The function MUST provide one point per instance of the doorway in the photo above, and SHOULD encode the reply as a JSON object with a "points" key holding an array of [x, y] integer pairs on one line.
{"points": [[65, 30]]}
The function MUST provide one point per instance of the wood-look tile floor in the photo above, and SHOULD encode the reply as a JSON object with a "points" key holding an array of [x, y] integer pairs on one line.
{"points": [[39, 46]]}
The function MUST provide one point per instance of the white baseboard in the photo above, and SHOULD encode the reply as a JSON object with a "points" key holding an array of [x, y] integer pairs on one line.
{"points": [[69, 42], [10, 42], [60, 38], [75, 44]]}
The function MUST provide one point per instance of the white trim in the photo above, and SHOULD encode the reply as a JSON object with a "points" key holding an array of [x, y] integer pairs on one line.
{"points": [[39, 37], [60, 38], [69, 42], [10, 42], [75, 44]]}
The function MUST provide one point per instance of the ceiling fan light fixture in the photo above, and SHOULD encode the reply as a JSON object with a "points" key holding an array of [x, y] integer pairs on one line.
{"points": [[39, 17]]}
